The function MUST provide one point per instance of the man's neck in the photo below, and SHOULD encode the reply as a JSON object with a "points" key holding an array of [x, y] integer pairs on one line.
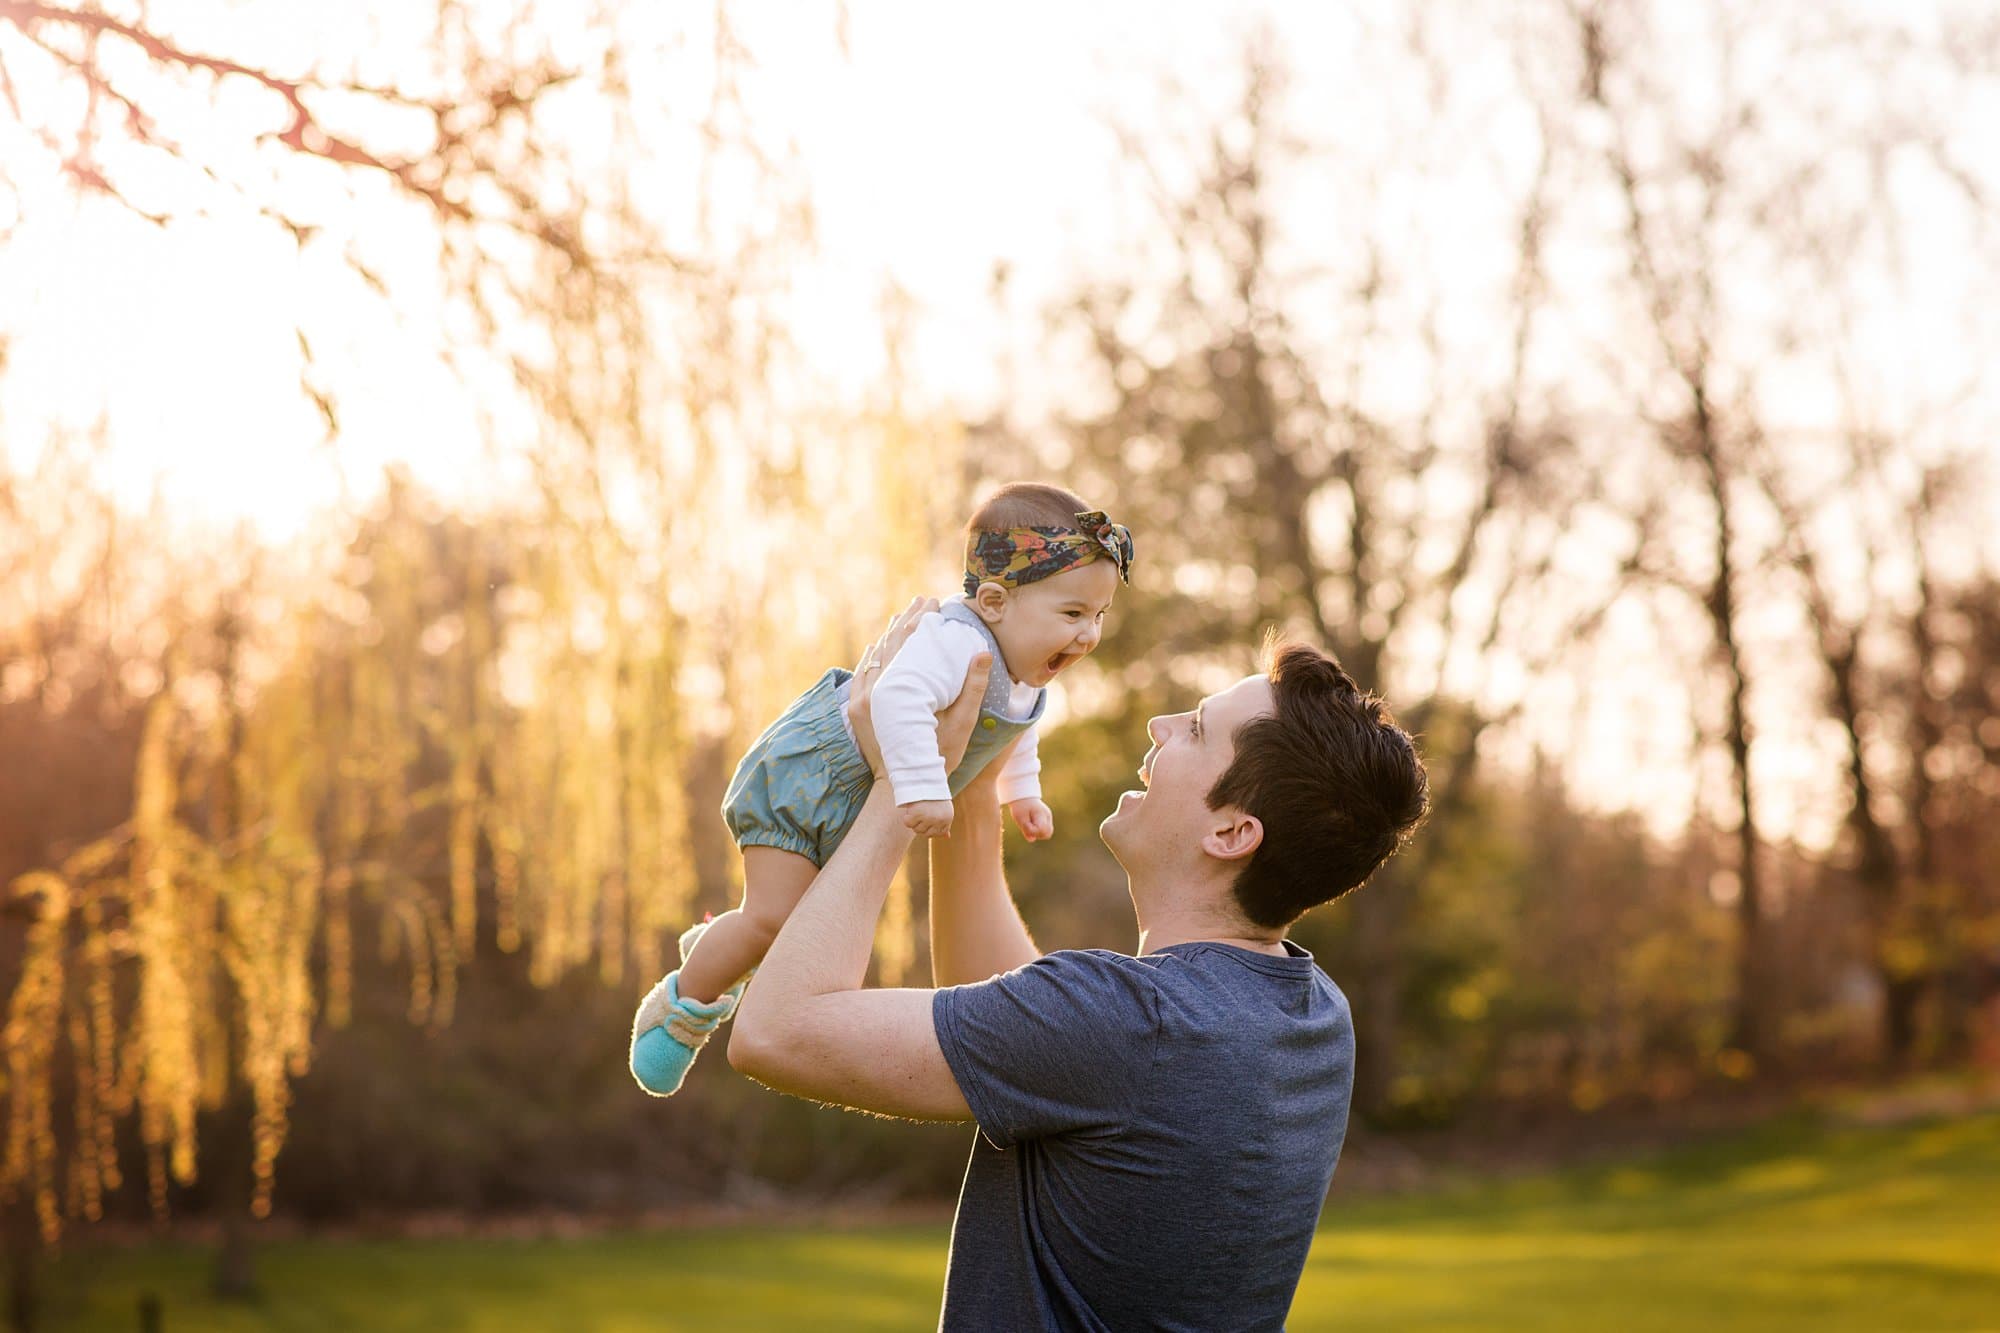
{"points": [[1195, 909], [1162, 930]]}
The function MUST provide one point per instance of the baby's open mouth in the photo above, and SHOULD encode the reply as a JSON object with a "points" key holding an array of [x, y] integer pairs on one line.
{"points": [[1061, 660]]}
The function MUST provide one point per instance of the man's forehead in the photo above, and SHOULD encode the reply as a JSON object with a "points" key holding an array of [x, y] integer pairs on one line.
{"points": [[1231, 708]]}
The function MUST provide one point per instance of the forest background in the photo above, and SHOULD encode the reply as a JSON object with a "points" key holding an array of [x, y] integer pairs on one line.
{"points": [[438, 438]]}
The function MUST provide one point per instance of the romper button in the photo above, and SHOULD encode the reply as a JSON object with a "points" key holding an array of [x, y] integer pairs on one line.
{"points": [[988, 723]]}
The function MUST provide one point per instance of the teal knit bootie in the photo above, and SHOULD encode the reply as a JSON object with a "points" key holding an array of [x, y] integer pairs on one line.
{"points": [[670, 1029]]}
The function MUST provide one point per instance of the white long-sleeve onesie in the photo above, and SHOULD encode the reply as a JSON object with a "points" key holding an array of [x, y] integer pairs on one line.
{"points": [[925, 676]]}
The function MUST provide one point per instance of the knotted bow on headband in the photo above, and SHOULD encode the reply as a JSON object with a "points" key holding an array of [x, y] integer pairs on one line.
{"points": [[1016, 557]]}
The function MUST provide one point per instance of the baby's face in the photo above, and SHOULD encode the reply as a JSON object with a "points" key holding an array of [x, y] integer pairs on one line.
{"points": [[1053, 623]]}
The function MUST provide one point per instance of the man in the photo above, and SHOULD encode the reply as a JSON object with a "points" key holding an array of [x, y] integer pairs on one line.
{"points": [[1158, 1131]]}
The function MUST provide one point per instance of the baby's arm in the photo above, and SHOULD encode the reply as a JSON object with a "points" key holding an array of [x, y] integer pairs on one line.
{"points": [[1021, 789], [924, 677], [1022, 776]]}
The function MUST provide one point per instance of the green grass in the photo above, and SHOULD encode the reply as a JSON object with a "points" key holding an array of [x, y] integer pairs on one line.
{"points": [[1793, 1226]]}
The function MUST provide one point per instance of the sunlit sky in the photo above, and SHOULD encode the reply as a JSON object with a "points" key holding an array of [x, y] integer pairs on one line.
{"points": [[940, 145], [941, 141]]}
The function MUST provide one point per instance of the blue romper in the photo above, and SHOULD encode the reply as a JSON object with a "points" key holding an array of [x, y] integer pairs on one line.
{"points": [[804, 781]]}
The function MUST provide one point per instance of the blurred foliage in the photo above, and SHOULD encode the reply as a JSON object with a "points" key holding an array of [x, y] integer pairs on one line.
{"points": [[362, 852], [1228, 393], [440, 729]]}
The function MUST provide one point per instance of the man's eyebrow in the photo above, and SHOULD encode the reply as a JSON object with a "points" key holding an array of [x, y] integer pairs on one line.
{"points": [[1197, 715]]}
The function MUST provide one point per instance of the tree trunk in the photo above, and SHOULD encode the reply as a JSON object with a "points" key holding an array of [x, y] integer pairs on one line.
{"points": [[1378, 914], [1752, 1027], [1878, 869], [1926, 735], [23, 1246], [235, 1277], [1902, 1000], [1753, 973]]}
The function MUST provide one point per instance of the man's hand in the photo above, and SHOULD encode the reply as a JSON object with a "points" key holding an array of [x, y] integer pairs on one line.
{"points": [[927, 819], [955, 723], [976, 932], [983, 792], [809, 1026], [1032, 817]]}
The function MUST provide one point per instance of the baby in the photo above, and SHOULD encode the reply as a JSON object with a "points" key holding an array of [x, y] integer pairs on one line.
{"points": [[1040, 570]]}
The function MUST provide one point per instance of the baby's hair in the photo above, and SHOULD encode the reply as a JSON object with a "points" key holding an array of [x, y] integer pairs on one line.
{"points": [[1026, 504]]}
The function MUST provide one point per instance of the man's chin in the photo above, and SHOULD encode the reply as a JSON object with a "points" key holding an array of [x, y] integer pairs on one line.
{"points": [[1115, 828]]}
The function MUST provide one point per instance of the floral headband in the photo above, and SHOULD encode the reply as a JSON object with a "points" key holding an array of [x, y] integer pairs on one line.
{"points": [[1019, 556]]}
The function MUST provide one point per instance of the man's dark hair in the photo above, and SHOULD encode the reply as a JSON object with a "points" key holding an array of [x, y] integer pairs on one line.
{"points": [[1026, 504], [1337, 785]]}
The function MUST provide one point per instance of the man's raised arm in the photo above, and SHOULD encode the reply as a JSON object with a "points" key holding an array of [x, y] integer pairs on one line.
{"points": [[808, 1025], [976, 931]]}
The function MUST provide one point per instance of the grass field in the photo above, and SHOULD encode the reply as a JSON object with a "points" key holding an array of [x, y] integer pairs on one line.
{"points": [[1795, 1226]]}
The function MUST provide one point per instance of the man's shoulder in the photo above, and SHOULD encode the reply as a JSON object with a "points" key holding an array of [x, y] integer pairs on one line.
{"points": [[1203, 978], [1099, 987], [1094, 956], [1180, 962], [1107, 965]]}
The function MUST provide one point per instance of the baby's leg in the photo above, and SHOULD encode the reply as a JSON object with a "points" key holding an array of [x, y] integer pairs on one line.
{"points": [[773, 882]]}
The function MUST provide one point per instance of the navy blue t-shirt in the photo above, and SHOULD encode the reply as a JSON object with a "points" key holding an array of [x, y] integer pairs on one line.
{"points": [[1156, 1137]]}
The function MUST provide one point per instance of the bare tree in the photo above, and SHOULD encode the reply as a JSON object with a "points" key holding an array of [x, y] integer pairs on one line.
{"points": [[1680, 186], [459, 135], [1268, 488], [1740, 192]]}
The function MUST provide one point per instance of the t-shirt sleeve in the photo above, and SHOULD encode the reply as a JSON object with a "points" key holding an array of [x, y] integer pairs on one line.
{"points": [[1059, 1046]]}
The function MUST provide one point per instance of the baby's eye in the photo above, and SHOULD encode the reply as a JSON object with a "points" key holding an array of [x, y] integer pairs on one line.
{"points": [[1072, 614]]}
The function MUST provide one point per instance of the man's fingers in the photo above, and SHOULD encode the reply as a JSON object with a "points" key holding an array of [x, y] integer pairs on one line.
{"points": [[956, 721], [900, 627], [868, 672], [974, 689]]}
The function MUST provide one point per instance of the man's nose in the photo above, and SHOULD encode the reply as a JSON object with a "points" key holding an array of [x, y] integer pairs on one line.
{"points": [[1154, 727]]}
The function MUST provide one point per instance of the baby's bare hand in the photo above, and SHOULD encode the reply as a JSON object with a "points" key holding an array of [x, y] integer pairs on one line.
{"points": [[1033, 818], [927, 819]]}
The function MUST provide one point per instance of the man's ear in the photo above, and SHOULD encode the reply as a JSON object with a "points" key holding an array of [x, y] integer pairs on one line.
{"points": [[989, 600], [1234, 835]]}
